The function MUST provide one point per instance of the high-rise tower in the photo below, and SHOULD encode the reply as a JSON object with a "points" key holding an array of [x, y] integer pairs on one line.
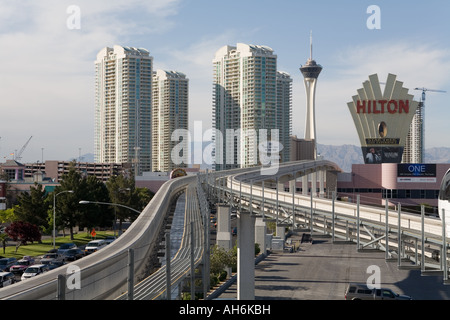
{"points": [[244, 101], [311, 71], [123, 90], [170, 101], [284, 113]]}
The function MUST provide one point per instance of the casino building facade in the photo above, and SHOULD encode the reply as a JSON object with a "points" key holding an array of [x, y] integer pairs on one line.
{"points": [[409, 184], [383, 120]]}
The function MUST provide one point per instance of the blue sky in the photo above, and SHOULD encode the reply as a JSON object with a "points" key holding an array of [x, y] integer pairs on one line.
{"points": [[47, 69]]}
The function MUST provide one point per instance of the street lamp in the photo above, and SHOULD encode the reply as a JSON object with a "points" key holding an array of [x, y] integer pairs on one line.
{"points": [[116, 192], [54, 213], [108, 204]]}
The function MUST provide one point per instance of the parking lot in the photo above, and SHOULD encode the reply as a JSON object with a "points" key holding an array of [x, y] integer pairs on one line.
{"points": [[55, 258]]}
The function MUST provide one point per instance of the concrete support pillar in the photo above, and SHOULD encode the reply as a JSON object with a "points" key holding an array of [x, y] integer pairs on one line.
{"points": [[322, 183], [281, 186], [305, 185], [246, 257], [223, 238], [314, 184], [292, 186], [281, 231], [260, 234]]}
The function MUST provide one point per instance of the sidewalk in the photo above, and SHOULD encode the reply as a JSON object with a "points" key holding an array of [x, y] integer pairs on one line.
{"points": [[321, 271]]}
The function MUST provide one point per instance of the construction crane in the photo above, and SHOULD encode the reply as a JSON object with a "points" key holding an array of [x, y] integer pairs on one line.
{"points": [[424, 90], [422, 111], [18, 156]]}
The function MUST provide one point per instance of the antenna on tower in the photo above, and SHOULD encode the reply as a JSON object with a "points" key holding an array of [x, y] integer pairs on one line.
{"points": [[310, 45]]}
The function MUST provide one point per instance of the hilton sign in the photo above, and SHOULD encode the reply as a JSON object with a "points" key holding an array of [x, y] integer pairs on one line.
{"points": [[383, 119], [382, 106]]}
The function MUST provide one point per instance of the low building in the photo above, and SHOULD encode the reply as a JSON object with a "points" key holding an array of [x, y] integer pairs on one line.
{"points": [[411, 185], [17, 182], [302, 149], [54, 169]]}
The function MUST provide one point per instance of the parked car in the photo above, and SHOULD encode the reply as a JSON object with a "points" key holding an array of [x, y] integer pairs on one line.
{"points": [[6, 279], [6, 263], [49, 257], [356, 291], [73, 254], [66, 246], [34, 271], [94, 246], [21, 265], [110, 239], [56, 264]]}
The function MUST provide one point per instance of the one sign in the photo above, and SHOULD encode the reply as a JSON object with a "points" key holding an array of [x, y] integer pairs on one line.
{"points": [[93, 233], [416, 172]]}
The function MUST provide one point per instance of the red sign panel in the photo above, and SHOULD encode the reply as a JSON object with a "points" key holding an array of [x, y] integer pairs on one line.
{"points": [[382, 106], [2, 190]]}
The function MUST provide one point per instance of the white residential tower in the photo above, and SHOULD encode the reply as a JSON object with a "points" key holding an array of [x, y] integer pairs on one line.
{"points": [[123, 100]]}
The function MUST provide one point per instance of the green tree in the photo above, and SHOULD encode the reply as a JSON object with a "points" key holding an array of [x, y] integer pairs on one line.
{"points": [[33, 206], [122, 191], [145, 195], [221, 259], [68, 210], [95, 214], [8, 215]]}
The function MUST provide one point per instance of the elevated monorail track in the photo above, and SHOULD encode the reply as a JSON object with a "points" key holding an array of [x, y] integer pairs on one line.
{"points": [[154, 286]]}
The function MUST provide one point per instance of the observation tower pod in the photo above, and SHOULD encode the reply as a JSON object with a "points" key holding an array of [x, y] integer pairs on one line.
{"points": [[310, 72]]}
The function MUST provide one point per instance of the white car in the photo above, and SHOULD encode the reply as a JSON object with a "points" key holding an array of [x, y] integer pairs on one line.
{"points": [[6, 279], [34, 270], [94, 246]]}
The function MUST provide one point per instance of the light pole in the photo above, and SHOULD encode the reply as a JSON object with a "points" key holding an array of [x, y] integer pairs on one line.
{"points": [[54, 213], [108, 204], [115, 209]]}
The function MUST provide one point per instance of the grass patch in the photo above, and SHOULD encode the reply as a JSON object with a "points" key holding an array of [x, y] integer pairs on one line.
{"points": [[38, 249]]}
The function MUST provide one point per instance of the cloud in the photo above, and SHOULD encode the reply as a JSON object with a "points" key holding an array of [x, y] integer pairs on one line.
{"points": [[48, 71], [196, 62]]}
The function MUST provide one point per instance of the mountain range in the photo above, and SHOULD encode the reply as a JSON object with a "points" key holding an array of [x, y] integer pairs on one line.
{"points": [[344, 156]]}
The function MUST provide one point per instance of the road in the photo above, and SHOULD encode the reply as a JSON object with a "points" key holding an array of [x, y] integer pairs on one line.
{"points": [[321, 271]]}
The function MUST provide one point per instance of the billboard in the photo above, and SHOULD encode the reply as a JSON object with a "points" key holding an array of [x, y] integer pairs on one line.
{"points": [[376, 154], [416, 172], [382, 119]]}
